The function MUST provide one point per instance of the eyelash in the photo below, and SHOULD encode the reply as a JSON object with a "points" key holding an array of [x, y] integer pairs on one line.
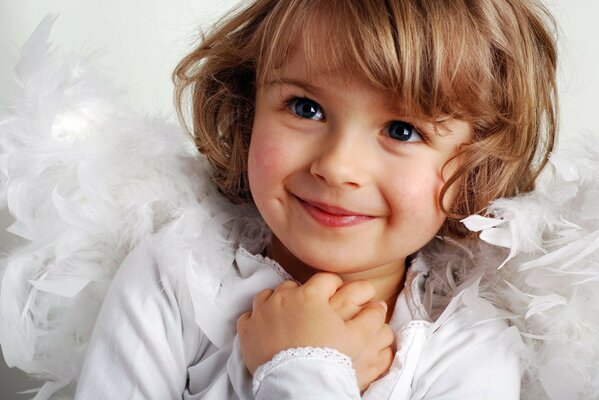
{"points": [[290, 101]]}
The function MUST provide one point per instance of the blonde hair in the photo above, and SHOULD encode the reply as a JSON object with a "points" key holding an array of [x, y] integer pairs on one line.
{"points": [[489, 62]]}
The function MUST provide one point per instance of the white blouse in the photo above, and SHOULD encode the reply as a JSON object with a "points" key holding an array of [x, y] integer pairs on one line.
{"points": [[150, 342]]}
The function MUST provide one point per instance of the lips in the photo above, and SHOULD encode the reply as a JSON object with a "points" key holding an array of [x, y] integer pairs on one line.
{"points": [[332, 216]]}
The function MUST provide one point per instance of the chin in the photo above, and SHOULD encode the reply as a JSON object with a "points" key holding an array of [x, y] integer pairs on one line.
{"points": [[337, 261]]}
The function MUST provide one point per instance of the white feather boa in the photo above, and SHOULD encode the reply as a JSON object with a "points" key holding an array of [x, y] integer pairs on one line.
{"points": [[86, 182]]}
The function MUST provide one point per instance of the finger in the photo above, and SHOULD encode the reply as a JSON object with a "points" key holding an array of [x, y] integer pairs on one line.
{"points": [[382, 341], [350, 299], [261, 297], [323, 284], [242, 321], [384, 337], [287, 285], [384, 361], [367, 323], [380, 364]]}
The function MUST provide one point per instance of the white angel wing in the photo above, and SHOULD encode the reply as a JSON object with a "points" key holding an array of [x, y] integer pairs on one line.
{"points": [[555, 263], [85, 181], [543, 269]]}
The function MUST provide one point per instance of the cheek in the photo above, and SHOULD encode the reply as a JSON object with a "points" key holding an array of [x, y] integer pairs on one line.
{"points": [[263, 161], [415, 206], [416, 193], [266, 160]]}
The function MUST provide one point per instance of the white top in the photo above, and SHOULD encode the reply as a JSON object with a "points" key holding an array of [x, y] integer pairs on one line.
{"points": [[150, 343]]}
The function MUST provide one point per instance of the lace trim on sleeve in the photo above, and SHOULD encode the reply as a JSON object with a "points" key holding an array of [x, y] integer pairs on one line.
{"points": [[314, 353]]}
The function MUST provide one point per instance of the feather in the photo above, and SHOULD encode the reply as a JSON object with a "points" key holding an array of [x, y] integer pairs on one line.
{"points": [[561, 380], [61, 287], [497, 236], [477, 223], [549, 281], [567, 170], [85, 183]]}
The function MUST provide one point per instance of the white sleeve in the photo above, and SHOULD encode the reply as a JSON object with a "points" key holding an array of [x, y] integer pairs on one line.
{"points": [[138, 347], [306, 373]]}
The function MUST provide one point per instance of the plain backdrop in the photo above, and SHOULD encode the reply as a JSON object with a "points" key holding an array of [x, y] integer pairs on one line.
{"points": [[142, 40]]}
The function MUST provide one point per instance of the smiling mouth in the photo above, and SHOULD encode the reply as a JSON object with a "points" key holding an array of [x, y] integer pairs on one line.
{"points": [[332, 216]]}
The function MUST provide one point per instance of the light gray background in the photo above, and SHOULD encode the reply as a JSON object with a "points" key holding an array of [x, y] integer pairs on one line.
{"points": [[143, 39]]}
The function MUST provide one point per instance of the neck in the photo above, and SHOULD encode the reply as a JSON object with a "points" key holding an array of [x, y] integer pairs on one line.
{"points": [[388, 279]]}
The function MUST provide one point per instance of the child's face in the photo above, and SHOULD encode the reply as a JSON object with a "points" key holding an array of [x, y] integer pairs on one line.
{"points": [[344, 182]]}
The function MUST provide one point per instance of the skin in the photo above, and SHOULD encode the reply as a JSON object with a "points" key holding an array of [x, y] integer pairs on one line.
{"points": [[324, 141]]}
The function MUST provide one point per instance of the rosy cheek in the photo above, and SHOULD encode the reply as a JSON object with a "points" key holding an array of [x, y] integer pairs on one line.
{"points": [[265, 159], [417, 192]]}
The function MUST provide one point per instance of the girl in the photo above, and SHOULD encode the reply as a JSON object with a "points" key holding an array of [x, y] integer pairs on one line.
{"points": [[343, 137], [355, 128]]}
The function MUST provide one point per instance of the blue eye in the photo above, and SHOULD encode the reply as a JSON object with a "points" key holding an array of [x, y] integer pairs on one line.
{"points": [[404, 132], [306, 108]]}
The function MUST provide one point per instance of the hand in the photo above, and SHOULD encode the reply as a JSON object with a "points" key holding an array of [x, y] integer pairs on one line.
{"points": [[300, 316], [377, 357]]}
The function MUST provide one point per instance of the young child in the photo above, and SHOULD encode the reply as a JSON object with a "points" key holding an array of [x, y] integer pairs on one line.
{"points": [[355, 128], [359, 130]]}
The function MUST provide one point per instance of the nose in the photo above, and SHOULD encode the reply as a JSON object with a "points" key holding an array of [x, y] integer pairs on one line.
{"points": [[342, 160]]}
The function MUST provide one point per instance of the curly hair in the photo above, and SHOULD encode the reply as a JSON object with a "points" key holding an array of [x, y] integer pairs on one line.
{"points": [[489, 62]]}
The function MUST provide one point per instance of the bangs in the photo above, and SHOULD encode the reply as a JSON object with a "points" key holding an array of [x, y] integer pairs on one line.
{"points": [[427, 57]]}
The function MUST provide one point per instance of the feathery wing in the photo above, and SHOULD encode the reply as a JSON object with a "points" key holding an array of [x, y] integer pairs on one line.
{"points": [[541, 267], [85, 181]]}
